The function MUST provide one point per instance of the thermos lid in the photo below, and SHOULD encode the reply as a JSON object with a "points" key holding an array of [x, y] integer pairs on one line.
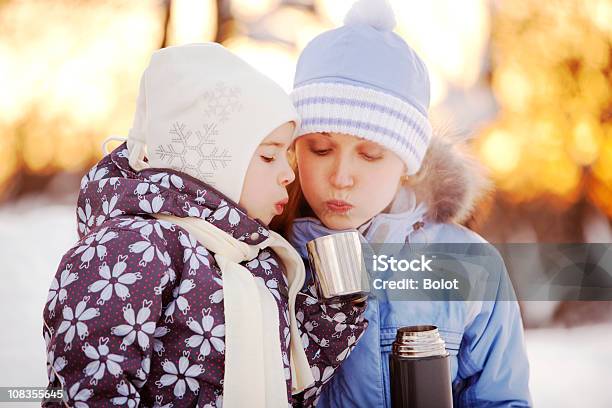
{"points": [[418, 342]]}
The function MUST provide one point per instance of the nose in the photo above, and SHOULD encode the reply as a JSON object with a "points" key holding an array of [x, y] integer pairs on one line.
{"points": [[342, 175], [287, 176]]}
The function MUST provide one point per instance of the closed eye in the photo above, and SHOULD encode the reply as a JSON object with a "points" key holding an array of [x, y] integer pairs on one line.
{"points": [[370, 157], [321, 152]]}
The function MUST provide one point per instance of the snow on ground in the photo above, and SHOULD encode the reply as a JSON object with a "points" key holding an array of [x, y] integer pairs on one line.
{"points": [[569, 367], [33, 237]]}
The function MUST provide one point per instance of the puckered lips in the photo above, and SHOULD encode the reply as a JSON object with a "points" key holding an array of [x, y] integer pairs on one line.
{"points": [[279, 207], [338, 206]]}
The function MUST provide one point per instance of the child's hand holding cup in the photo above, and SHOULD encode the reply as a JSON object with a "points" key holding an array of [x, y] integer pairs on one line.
{"points": [[338, 269]]}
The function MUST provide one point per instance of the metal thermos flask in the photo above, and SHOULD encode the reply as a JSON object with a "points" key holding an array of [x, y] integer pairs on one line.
{"points": [[419, 368]]}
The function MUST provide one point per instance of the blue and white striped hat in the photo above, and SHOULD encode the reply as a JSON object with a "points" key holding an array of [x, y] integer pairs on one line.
{"points": [[364, 80]]}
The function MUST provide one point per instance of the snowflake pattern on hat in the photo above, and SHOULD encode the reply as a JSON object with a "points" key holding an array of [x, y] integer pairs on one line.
{"points": [[196, 152], [189, 150], [221, 102]]}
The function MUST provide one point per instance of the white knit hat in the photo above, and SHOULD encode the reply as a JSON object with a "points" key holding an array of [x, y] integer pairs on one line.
{"points": [[203, 111]]}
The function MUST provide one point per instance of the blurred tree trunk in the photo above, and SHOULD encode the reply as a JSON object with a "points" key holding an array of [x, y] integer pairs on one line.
{"points": [[167, 16]]}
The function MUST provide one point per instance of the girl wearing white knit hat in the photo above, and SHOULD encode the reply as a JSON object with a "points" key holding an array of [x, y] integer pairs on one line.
{"points": [[177, 292]]}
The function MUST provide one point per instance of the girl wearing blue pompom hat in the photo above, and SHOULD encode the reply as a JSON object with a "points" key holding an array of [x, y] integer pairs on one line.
{"points": [[367, 159]]}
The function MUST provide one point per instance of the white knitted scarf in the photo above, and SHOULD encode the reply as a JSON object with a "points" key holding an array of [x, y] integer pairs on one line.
{"points": [[254, 371]]}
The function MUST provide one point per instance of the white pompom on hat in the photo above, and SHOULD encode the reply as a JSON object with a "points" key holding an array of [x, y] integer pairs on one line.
{"points": [[377, 14]]}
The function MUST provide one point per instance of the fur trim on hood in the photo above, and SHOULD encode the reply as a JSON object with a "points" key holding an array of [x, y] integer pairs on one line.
{"points": [[451, 181]]}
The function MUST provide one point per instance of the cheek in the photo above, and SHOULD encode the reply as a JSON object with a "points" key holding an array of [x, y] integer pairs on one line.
{"points": [[378, 188], [312, 177], [256, 183], [308, 173]]}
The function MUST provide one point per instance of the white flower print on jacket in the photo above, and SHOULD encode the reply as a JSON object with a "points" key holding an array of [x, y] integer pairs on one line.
{"points": [[299, 316], [216, 403], [217, 295], [58, 291], [194, 252], [194, 211], [55, 364], [75, 321], [128, 396], [320, 377], [108, 209], [164, 180], [102, 360], [159, 402], [86, 220], [182, 377], [350, 345], [137, 327], [94, 245], [179, 301], [143, 372], [206, 335], [265, 260], [112, 181], [94, 174], [169, 276], [340, 319], [116, 281], [144, 188], [151, 206], [77, 397], [145, 227], [145, 248], [158, 344], [224, 210]]}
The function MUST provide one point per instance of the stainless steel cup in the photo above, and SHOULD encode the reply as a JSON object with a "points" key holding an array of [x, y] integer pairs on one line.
{"points": [[337, 265]]}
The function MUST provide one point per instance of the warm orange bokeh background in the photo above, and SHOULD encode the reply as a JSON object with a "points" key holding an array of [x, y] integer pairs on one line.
{"points": [[69, 72]]}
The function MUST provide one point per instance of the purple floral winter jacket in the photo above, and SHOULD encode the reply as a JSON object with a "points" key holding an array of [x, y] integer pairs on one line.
{"points": [[134, 316]]}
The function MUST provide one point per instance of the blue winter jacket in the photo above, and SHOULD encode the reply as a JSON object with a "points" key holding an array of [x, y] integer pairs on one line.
{"points": [[489, 366]]}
